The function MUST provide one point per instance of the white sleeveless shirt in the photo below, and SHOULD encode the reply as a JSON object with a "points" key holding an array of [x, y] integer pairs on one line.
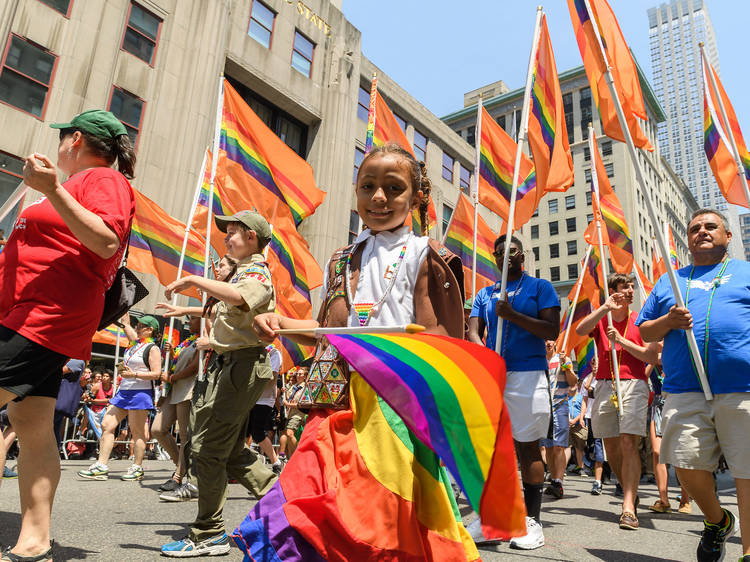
{"points": [[134, 360]]}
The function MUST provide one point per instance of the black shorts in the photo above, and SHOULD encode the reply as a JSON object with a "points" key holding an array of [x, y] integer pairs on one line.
{"points": [[260, 422], [28, 368]]}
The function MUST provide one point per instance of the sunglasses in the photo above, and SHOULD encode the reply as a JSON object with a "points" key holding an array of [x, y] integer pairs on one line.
{"points": [[513, 252]]}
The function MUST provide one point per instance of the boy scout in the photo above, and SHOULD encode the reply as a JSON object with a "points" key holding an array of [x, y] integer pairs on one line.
{"points": [[238, 370]]}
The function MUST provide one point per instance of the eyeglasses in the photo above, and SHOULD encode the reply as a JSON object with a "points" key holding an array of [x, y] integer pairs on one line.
{"points": [[513, 252]]}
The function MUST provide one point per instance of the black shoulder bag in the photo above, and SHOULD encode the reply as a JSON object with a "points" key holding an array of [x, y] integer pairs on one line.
{"points": [[125, 292]]}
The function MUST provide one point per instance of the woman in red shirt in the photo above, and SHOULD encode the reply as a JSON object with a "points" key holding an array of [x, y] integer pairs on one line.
{"points": [[57, 264]]}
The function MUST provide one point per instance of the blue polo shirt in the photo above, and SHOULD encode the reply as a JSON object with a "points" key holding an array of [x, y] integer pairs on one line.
{"points": [[728, 366], [521, 350]]}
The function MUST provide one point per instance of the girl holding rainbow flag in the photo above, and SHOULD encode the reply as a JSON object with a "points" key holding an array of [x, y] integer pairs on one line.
{"points": [[360, 485]]}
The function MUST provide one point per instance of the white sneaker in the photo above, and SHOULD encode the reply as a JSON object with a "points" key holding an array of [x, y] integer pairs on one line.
{"points": [[475, 530], [534, 537]]}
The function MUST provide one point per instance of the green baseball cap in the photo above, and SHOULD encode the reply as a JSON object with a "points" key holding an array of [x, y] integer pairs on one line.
{"points": [[149, 321], [251, 219], [100, 123]]}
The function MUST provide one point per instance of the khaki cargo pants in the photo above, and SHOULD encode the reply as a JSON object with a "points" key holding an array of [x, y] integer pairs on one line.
{"points": [[221, 405]]}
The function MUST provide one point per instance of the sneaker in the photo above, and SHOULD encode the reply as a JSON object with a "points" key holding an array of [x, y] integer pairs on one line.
{"points": [[169, 485], [555, 489], [711, 547], [576, 470], [475, 530], [182, 493], [534, 537], [186, 548], [596, 488], [628, 521], [276, 467], [96, 471], [134, 473], [8, 474]]}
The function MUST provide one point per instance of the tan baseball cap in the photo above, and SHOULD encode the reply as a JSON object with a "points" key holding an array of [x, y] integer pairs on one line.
{"points": [[251, 219]]}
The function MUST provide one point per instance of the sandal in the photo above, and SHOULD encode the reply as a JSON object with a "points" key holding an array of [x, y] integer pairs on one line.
{"points": [[660, 507], [8, 556]]}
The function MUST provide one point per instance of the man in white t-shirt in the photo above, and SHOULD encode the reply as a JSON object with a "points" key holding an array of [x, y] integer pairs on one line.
{"points": [[260, 421]]}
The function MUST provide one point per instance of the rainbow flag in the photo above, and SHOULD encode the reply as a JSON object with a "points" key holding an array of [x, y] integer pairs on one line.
{"points": [[548, 136], [292, 353], [460, 240], [497, 153], [453, 402], [716, 142], [108, 336], [156, 243], [594, 286], [672, 248], [585, 354], [257, 155], [370, 137]]}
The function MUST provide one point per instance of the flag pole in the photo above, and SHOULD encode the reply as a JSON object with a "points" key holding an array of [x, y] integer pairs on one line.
{"points": [[191, 213], [475, 195], [210, 203], [641, 178], [605, 266], [516, 172], [577, 293], [641, 288], [15, 198], [117, 360], [370, 137], [728, 127]]}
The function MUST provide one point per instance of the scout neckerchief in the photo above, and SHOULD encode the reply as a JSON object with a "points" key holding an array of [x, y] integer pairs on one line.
{"points": [[714, 285], [364, 309], [179, 349], [613, 396]]}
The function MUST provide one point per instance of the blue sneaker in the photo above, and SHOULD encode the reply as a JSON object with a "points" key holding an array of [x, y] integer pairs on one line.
{"points": [[8, 474], [186, 548]]}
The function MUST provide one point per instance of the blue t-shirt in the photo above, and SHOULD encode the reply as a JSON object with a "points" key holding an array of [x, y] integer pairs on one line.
{"points": [[574, 405], [521, 350], [728, 367]]}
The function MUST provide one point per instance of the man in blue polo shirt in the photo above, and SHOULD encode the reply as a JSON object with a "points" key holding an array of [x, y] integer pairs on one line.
{"points": [[530, 313], [696, 432]]}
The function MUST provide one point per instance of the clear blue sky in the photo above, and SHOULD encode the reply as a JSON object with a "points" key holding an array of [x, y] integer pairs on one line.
{"points": [[439, 49]]}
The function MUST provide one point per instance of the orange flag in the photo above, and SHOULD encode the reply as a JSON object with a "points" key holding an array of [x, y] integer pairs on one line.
{"points": [[497, 156], [717, 144], [657, 266], [624, 71], [646, 283], [615, 231], [548, 136], [594, 285]]}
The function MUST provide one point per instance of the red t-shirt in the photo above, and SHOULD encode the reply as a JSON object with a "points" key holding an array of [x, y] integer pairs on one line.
{"points": [[630, 367], [51, 286]]}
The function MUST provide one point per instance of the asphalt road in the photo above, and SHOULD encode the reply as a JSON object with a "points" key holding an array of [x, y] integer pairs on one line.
{"points": [[124, 521]]}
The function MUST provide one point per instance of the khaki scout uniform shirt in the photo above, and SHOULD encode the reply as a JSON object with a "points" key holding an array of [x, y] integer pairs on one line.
{"points": [[233, 325]]}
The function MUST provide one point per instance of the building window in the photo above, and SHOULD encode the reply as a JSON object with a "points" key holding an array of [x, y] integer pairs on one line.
{"points": [[572, 247], [447, 167], [262, 19], [363, 104], [568, 109], [464, 179], [586, 154], [554, 273], [553, 229], [302, 54], [420, 145], [141, 33], [11, 174], [501, 121], [471, 135], [607, 148], [447, 214], [588, 198], [570, 201], [401, 122], [359, 155], [589, 218], [62, 6], [537, 273], [572, 271], [585, 105], [26, 76], [536, 252], [570, 224], [552, 206], [534, 231], [554, 251], [353, 225], [536, 212], [587, 175], [610, 169], [128, 109]]}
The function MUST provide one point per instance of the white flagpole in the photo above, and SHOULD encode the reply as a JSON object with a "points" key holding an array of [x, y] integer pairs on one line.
{"points": [[603, 257], [117, 360], [728, 128], [191, 213], [15, 198], [579, 283], [641, 177], [641, 288], [209, 215], [516, 172], [475, 196]]}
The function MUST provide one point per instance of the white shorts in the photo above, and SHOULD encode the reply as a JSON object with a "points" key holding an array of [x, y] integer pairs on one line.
{"points": [[527, 397]]}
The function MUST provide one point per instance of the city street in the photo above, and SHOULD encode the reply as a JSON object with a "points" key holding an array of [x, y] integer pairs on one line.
{"points": [[118, 520]]}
